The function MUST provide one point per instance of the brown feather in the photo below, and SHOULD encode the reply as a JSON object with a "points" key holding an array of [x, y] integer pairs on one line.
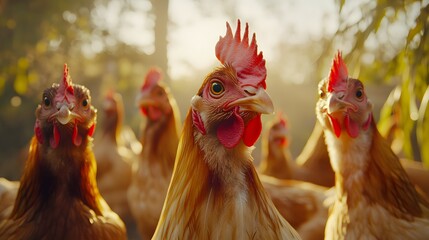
{"points": [[152, 172], [214, 213]]}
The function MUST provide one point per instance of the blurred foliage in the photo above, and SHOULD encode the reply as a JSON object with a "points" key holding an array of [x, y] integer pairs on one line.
{"points": [[36, 38], [375, 57]]}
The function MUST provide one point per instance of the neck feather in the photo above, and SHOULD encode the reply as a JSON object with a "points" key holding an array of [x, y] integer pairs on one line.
{"points": [[367, 170], [57, 176], [210, 187]]}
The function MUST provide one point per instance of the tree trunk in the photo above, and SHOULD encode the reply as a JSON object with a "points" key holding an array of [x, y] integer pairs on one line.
{"points": [[160, 9]]}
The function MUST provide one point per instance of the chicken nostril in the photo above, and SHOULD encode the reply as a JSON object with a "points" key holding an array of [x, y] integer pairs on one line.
{"points": [[250, 93], [250, 90]]}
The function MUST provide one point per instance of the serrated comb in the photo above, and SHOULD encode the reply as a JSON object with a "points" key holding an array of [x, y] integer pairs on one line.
{"points": [[66, 83], [153, 76], [339, 74], [244, 58]]}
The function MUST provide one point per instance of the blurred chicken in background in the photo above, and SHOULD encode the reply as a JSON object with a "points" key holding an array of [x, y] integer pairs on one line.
{"points": [[8, 191], [311, 166], [304, 205], [160, 137], [114, 158]]}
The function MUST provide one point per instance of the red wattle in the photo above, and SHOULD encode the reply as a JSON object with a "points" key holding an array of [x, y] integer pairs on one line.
{"points": [[335, 125], [144, 111], [154, 113], [230, 130], [77, 139], [351, 126], [252, 131], [55, 140]]}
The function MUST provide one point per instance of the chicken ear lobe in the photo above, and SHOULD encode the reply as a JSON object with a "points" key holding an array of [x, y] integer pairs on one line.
{"points": [[351, 126], [38, 132], [77, 139]]}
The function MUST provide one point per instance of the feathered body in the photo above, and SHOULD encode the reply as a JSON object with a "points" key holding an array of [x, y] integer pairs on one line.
{"points": [[114, 160], [375, 198], [311, 166], [152, 172], [304, 205], [276, 156], [58, 196], [8, 191], [215, 192]]}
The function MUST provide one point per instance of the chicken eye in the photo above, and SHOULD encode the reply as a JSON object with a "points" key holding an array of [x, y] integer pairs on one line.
{"points": [[359, 93], [46, 101], [216, 88], [85, 102], [322, 94]]}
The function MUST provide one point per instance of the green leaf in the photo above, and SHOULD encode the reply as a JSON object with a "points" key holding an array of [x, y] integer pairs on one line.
{"points": [[420, 23]]}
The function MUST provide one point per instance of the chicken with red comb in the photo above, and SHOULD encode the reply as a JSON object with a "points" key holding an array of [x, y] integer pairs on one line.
{"points": [[58, 197], [154, 166], [276, 157], [375, 198], [215, 192]]}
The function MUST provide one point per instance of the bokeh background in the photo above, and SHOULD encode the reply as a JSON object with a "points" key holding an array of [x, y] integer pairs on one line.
{"points": [[110, 44]]}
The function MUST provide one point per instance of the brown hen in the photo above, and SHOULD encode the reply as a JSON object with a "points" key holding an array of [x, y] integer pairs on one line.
{"points": [[152, 172], [215, 192], [58, 196], [375, 198]]}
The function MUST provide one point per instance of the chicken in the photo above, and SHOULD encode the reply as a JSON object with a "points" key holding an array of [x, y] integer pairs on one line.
{"points": [[375, 198], [58, 196], [419, 175], [311, 166], [299, 202], [152, 172], [114, 160], [304, 205], [8, 191], [276, 157], [215, 192]]}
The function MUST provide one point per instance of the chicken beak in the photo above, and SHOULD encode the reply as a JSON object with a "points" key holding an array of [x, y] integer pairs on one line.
{"points": [[336, 104], [64, 114], [259, 101], [143, 99]]}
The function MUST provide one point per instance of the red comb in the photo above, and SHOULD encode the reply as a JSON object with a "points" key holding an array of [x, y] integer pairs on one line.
{"points": [[281, 119], [66, 84], [338, 72], [152, 78], [244, 58]]}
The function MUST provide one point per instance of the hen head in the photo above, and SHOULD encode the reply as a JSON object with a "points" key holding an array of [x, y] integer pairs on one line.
{"points": [[113, 109], [153, 97], [65, 117], [112, 104], [232, 98], [278, 133], [343, 104]]}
